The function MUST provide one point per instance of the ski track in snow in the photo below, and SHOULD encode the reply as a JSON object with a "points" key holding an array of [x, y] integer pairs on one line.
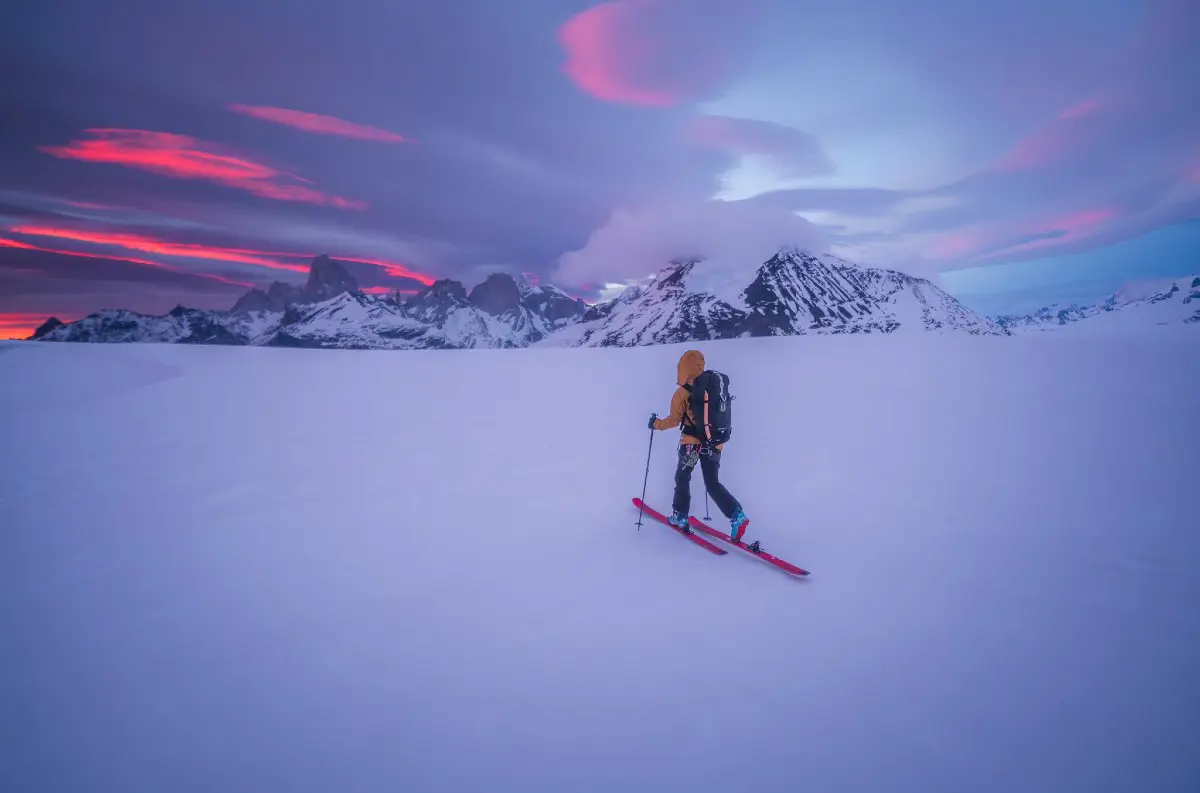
{"points": [[228, 569]]}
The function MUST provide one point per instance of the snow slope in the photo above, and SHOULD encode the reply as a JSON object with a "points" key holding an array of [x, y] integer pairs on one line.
{"points": [[263, 569]]}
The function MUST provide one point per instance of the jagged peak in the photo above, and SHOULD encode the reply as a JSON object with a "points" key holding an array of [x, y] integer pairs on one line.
{"points": [[327, 277], [47, 327], [443, 287], [496, 294]]}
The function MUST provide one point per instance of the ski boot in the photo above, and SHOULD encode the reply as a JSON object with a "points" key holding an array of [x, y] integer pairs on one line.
{"points": [[737, 525], [680, 521]]}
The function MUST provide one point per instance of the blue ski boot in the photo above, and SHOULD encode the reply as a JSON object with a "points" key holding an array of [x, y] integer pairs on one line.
{"points": [[680, 521], [738, 524]]}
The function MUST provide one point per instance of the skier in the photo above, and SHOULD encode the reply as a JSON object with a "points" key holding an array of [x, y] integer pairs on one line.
{"points": [[695, 446]]}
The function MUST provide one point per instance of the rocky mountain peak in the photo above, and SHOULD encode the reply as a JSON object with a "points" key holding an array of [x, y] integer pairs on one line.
{"points": [[253, 301], [327, 278], [442, 288], [46, 327], [497, 294]]}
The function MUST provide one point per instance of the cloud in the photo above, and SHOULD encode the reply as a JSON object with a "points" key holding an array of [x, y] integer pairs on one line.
{"points": [[318, 124], [1067, 134], [519, 161], [852, 201], [273, 260], [43, 283], [26, 246], [144, 244], [392, 269], [793, 152], [651, 53], [735, 237], [1081, 109], [183, 157]]}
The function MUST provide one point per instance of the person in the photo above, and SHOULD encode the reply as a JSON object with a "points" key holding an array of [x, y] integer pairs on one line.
{"points": [[693, 448]]}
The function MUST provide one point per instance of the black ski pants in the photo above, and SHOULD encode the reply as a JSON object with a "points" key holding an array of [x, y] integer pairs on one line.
{"points": [[710, 466]]}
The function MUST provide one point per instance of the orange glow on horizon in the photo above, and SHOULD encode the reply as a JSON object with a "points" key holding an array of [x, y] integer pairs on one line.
{"points": [[20, 326]]}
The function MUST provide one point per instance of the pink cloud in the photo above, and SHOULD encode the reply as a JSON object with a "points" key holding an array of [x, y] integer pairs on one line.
{"points": [[1035, 150], [183, 157], [1062, 229], [958, 244], [1053, 142], [989, 243], [136, 242], [1078, 222], [25, 246], [394, 269], [89, 205], [1086, 107], [651, 53], [184, 250], [607, 52], [318, 124]]}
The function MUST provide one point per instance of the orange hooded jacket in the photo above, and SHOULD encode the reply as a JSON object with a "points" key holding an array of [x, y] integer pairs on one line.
{"points": [[691, 363]]}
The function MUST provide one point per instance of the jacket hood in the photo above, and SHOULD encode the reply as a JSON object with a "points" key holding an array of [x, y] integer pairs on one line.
{"points": [[691, 363]]}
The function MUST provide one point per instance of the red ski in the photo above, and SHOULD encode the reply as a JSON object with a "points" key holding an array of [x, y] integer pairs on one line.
{"points": [[696, 538], [751, 548]]}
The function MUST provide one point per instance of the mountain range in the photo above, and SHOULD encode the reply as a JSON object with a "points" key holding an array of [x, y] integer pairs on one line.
{"points": [[792, 293], [1141, 304]]}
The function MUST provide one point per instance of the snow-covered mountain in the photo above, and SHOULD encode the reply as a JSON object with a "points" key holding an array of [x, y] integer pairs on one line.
{"points": [[1141, 304], [499, 312], [179, 326], [330, 311], [327, 279], [792, 293]]}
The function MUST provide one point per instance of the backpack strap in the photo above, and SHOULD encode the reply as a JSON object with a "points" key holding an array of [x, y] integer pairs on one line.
{"points": [[685, 427]]}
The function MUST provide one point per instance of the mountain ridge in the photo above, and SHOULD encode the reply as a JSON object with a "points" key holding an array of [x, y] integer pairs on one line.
{"points": [[1158, 302], [795, 292]]}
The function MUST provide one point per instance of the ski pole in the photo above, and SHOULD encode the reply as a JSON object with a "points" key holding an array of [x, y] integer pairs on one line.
{"points": [[647, 477], [706, 515]]}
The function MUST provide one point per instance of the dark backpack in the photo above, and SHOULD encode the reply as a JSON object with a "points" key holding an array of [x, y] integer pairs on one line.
{"points": [[720, 416]]}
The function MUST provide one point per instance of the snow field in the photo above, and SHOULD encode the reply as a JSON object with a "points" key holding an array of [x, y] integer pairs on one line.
{"points": [[251, 569]]}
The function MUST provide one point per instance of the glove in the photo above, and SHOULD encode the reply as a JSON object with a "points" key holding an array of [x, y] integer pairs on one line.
{"points": [[653, 418]]}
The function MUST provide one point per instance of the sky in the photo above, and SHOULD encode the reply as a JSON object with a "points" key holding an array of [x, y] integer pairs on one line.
{"points": [[156, 154]]}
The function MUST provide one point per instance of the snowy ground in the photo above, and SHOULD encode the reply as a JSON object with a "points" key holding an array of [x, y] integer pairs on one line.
{"points": [[243, 569]]}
